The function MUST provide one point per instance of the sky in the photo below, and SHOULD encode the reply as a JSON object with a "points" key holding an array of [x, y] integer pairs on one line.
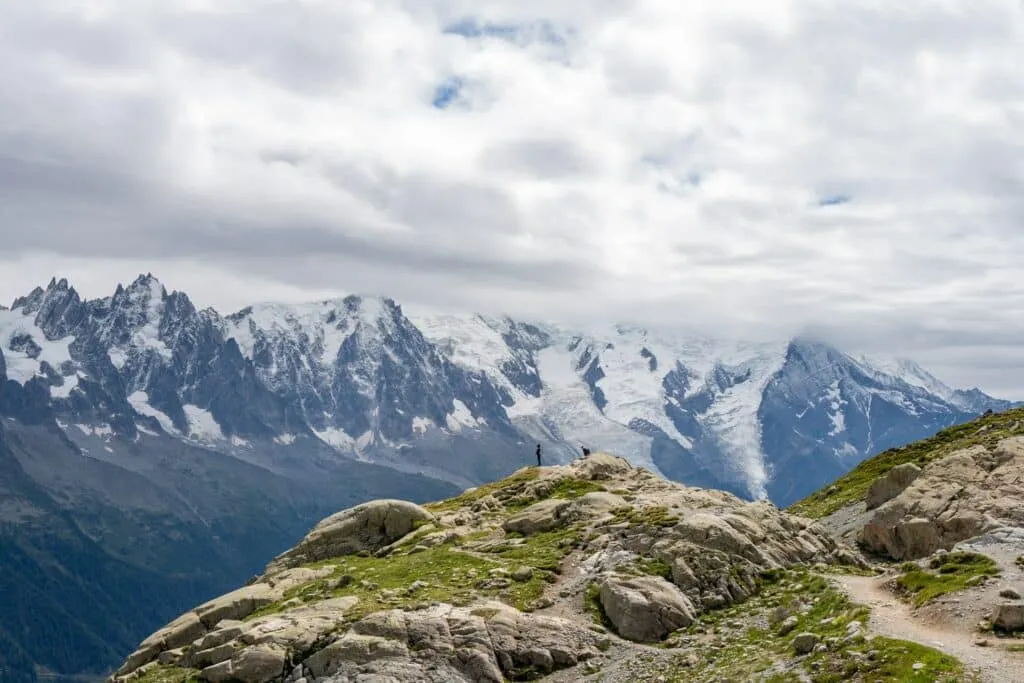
{"points": [[848, 169]]}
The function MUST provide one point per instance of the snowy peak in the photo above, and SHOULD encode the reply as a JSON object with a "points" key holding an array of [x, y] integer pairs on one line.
{"points": [[460, 394]]}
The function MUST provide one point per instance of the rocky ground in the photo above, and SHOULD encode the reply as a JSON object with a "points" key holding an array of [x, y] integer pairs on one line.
{"points": [[599, 571]]}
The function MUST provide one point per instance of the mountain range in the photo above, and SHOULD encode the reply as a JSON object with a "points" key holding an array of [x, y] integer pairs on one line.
{"points": [[138, 433]]}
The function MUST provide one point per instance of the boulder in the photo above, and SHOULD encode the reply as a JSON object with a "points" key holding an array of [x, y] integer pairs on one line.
{"points": [[367, 527], [597, 504], [543, 516], [891, 484], [237, 604], [1009, 617], [804, 643], [251, 665], [601, 466], [645, 609]]}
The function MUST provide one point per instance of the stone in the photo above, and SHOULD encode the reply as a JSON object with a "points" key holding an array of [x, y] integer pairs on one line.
{"points": [[543, 516], [804, 643], [363, 528], [1009, 617], [891, 484], [523, 574], [1009, 594], [787, 626], [258, 664], [237, 604], [645, 609], [598, 466]]}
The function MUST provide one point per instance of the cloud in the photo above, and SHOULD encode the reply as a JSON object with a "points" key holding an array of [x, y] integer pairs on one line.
{"points": [[760, 168]]}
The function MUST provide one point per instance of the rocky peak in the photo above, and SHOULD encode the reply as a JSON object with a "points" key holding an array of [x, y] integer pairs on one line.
{"points": [[492, 585]]}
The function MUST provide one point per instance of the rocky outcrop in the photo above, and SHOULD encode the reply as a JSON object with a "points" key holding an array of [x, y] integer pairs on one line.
{"points": [[891, 485], [963, 495], [645, 608], [474, 593], [544, 516], [364, 528]]}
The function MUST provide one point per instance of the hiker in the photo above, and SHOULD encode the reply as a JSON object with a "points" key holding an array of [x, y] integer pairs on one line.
{"points": [[586, 451], [538, 455]]}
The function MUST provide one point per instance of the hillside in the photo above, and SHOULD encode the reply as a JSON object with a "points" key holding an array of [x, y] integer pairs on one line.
{"points": [[594, 571], [852, 488]]}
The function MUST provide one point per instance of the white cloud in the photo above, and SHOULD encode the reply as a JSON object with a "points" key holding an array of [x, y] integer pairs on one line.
{"points": [[653, 160]]}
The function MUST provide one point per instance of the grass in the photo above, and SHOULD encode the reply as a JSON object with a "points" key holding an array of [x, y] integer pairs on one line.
{"points": [[592, 603], [651, 515], [503, 489], [853, 486], [452, 575], [757, 651], [571, 489], [170, 674], [952, 573]]}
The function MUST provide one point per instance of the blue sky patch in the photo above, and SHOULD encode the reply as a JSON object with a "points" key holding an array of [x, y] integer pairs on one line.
{"points": [[835, 200], [541, 31], [447, 92]]}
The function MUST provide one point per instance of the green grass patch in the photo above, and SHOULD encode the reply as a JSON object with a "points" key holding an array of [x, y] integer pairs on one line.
{"points": [[950, 573], [988, 430], [452, 575], [592, 603], [651, 515], [570, 489], [754, 650], [170, 674], [503, 489]]}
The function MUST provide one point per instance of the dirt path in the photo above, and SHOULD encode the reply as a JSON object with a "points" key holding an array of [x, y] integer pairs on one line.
{"points": [[894, 619]]}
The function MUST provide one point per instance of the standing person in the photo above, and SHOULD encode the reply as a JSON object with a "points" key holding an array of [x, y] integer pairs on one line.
{"points": [[538, 455]]}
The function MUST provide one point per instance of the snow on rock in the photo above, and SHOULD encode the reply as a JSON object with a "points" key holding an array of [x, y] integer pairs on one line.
{"points": [[336, 438], [26, 348], [103, 431], [139, 401], [420, 425], [460, 417], [285, 439], [150, 298], [836, 403], [733, 416], [202, 425]]}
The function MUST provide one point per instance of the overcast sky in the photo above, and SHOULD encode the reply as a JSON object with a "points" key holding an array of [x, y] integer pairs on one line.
{"points": [[762, 168]]}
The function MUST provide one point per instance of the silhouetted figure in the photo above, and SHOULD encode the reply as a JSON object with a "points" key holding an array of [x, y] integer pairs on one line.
{"points": [[538, 455], [586, 451]]}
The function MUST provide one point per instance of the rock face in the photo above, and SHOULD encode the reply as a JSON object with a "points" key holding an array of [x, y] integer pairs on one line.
{"points": [[963, 495], [645, 608], [475, 594], [892, 484], [368, 527]]}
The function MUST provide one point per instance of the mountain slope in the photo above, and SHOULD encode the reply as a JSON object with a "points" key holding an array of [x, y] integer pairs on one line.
{"points": [[563, 573], [852, 487]]}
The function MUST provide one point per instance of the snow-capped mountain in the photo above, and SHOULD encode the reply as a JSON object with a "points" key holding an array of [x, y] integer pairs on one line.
{"points": [[456, 397]]}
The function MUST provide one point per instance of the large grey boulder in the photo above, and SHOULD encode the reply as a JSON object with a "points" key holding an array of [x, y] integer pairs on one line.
{"points": [[1009, 617], [543, 516], [645, 609], [892, 484], [250, 665], [367, 527]]}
